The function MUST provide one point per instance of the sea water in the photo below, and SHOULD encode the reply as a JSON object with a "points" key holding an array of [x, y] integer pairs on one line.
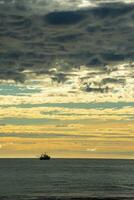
{"points": [[66, 178]]}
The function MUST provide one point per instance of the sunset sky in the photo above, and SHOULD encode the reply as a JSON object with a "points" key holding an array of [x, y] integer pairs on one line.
{"points": [[67, 78]]}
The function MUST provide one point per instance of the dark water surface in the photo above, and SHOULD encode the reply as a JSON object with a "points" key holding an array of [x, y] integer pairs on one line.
{"points": [[66, 179]]}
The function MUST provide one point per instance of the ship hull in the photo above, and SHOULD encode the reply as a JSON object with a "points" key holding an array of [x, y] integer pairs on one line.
{"points": [[44, 158]]}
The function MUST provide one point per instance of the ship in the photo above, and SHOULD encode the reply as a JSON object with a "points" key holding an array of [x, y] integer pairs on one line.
{"points": [[45, 157]]}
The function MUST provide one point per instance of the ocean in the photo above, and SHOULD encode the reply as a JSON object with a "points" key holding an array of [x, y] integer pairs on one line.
{"points": [[66, 179]]}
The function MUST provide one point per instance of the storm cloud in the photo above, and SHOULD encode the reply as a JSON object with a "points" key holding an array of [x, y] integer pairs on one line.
{"points": [[65, 38]]}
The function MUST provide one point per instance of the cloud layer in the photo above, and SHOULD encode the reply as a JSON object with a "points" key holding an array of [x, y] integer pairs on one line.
{"points": [[67, 78], [65, 39]]}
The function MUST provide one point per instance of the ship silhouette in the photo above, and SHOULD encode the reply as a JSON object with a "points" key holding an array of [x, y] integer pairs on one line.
{"points": [[44, 156]]}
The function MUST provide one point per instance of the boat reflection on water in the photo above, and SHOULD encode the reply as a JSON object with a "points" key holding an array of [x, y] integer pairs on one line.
{"points": [[45, 157]]}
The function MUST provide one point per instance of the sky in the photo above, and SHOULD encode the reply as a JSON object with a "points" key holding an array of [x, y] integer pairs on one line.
{"points": [[67, 78]]}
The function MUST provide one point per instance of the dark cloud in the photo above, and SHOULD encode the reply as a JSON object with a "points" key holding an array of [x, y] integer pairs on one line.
{"points": [[96, 89], [35, 41], [59, 77], [110, 10], [64, 18], [113, 80]]}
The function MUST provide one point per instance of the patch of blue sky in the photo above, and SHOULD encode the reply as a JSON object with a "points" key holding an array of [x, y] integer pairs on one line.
{"points": [[16, 89], [42, 135], [91, 105], [28, 121], [49, 121], [59, 113]]}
